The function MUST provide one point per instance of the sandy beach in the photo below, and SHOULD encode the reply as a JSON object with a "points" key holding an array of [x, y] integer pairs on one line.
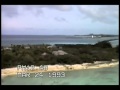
{"points": [[14, 70]]}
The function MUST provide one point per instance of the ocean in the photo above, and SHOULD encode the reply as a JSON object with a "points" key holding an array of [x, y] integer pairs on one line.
{"points": [[7, 40], [101, 76]]}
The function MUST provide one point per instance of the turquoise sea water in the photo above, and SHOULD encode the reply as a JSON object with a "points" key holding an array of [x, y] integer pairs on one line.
{"points": [[102, 76]]}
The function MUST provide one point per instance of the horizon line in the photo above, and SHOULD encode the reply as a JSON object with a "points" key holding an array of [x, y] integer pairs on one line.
{"points": [[61, 34]]}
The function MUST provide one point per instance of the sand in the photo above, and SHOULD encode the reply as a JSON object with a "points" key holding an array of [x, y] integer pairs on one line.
{"points": [[14, 70]]}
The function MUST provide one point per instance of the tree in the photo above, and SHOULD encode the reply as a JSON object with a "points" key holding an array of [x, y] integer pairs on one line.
{"points": [[86, 58], [117, 48], [7, 60], [26, 60], [103, 44]]}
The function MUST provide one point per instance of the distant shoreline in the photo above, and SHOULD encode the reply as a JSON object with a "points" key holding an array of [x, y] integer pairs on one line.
{"points": [[55, 42], [13, 71]]}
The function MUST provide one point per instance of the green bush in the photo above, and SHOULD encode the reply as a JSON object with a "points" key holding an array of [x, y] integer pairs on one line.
{"points": [[86, 58], [103, 44], [68, 59], [76, 54], [26, 60], [117, 48]]}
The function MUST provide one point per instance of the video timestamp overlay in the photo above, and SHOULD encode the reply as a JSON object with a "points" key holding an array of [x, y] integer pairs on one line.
{"points": [[28, 71]]}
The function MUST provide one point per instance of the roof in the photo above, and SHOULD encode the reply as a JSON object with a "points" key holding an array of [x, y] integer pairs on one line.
{"points": [[59, 52]]}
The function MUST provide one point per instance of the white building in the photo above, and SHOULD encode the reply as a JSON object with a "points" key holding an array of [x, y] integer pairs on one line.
{"points": [[7, 48], [59, 52], [49, 47], [27, 47], [52, 46]]}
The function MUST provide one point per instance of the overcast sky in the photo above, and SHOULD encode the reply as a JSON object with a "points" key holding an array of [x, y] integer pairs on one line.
{"points": [[59, 19]]}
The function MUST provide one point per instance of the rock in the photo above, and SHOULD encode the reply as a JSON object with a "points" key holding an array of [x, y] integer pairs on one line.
{"points": [[44, 54], [101, 62], [86, 64]]}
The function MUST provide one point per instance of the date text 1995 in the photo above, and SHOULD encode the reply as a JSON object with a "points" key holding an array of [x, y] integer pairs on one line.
{"points": [[56, 74]]}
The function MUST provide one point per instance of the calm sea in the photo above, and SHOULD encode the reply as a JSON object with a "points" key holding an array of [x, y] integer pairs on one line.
{"points": [[102, 76], [7, 40]]}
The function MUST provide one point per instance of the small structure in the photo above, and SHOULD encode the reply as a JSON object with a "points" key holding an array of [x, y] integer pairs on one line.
{"points": [[52, 46], [27, 47], [44, 54], [49, 47], [92, 36], [59, 52], [7, 48]]}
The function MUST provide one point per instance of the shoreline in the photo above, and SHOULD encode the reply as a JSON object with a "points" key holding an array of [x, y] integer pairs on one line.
{"points": [[13, 71]]}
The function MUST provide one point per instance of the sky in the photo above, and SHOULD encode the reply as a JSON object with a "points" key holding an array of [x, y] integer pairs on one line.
{"points": [[59, 19]]}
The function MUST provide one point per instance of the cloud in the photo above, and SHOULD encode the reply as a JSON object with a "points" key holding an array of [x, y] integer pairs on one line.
{"points": [[12, 10], [102, 13], [60, 19], [57, 7]]}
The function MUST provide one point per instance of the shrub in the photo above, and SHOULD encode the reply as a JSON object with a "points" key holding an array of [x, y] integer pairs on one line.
{"points": [[103, 44], [117, 48], [68, 59], [84, 50], [86, 58]]}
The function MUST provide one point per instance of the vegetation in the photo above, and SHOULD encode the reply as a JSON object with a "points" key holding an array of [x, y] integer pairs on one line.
{"points": [[77, 54], [117, 49], [103, 44]]}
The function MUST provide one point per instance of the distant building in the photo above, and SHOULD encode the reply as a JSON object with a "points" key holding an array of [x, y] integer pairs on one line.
{"points": [[7, 48], [27, 47], [59, 52], [49, 47], [92, 36], [52, 46]]}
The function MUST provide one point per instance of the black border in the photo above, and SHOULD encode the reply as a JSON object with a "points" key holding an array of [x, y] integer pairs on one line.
{"points": [[58, 2], [44, 2], [61, 87]]}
